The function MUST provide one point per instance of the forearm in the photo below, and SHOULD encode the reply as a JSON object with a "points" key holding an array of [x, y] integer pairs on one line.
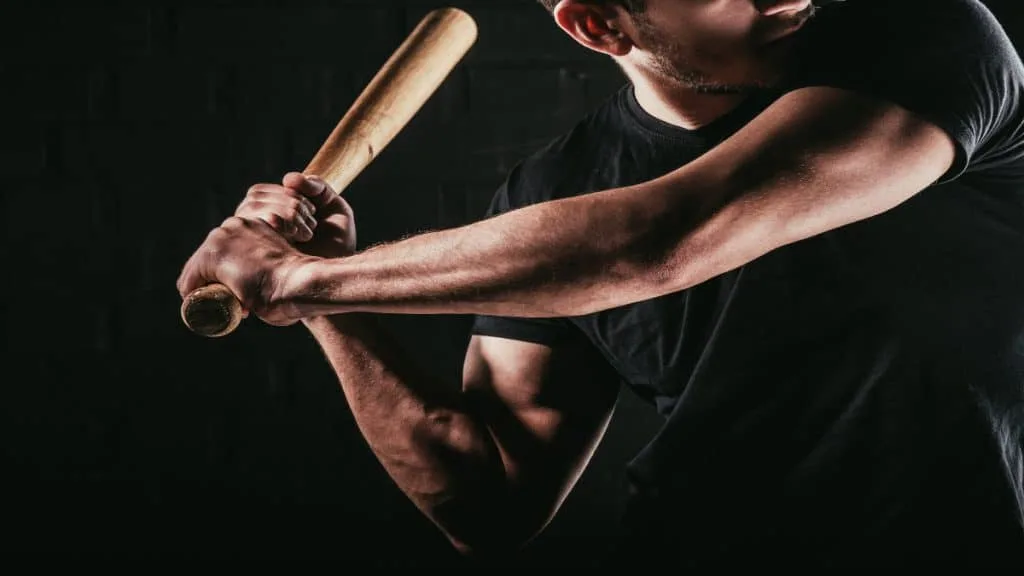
{"points": [[424, 435], [563, 258], [817, 159]]}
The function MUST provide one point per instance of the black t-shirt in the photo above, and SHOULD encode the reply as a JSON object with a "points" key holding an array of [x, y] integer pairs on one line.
{"points": [[857, 397]]}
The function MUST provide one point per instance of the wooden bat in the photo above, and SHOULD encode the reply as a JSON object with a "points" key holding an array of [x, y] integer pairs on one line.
{"points": [[406, 81]]}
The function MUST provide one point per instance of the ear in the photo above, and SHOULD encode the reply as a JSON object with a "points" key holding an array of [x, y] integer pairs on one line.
{"points": [[596, 26]]}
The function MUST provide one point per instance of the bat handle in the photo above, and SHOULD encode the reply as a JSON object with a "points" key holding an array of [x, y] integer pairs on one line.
{"points": [[400, 88], [212, 311]]}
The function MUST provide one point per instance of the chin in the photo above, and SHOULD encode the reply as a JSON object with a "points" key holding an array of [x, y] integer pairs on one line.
{"points": [[745, 69], [768, 67], [748, 78]]}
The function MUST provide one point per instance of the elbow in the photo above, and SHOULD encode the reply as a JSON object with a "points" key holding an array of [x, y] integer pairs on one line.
{"points": [[708, 231], [478, 549], [492, 542], [476, 510], [493, 531], [662, 259], [670, 237]]}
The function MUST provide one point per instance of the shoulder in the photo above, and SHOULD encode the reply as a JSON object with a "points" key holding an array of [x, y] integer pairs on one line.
{"points": [[949, 61], [564, 165], [875, 26]]}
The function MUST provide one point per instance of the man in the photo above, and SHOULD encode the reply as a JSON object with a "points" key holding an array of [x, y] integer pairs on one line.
{"points": [[798, 231]]}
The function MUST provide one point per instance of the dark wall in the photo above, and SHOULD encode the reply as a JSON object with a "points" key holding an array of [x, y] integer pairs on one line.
{"points": [[133, 128], [136, 128]]}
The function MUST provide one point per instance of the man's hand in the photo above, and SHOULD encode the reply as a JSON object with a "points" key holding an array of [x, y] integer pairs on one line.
{"points": [[306, 211], [274, 232]]}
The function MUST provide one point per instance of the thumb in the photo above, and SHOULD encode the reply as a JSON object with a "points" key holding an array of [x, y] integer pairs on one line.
{"points": [[317, 190]]}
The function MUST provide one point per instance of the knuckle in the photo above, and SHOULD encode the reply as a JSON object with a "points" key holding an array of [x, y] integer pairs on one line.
{"points": [[310, 207], [235, 223], [274, 220], [257, 206], [346, 207], [247, 207]]}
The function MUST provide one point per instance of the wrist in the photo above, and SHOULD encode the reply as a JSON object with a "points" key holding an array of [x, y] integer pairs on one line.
{"points": [[305, 288]]}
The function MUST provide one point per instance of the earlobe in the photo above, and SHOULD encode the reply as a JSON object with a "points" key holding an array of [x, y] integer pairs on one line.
{"points": [[592, 26]]}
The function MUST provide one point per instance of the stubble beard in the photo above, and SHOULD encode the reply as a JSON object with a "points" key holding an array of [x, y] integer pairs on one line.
{"points": [[669, 60]]}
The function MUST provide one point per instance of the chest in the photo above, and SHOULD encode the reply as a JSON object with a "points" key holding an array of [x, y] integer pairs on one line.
{"points": [[656, 345], [749, 319]]}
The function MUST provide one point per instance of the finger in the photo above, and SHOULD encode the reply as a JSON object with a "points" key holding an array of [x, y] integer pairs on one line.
{"points": [[187, 282], [289, 203], [192, 277], [301, 209], [264, 192], [231, 223], [190, 281], [184, 280], [286, 217], [263, 188], [313, 187], [272, 213], [275, 193], [284, 226], [285, 221], [293, 228]]}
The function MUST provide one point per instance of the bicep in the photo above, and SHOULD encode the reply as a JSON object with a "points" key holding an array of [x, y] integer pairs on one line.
{"points": [[815, 160], [821, 158], [547, 409]]}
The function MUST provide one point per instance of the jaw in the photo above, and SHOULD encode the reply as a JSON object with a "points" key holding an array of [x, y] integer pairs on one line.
{"points": [[756, 60]]}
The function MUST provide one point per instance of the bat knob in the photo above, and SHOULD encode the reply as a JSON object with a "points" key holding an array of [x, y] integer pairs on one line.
{"points": [[212, 311]]}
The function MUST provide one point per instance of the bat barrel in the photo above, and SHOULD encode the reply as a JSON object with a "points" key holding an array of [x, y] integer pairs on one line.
{"points": [[400, 88]]}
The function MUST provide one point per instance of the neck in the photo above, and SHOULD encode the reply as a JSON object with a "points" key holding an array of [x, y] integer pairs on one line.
{"points": [[681, 105]]}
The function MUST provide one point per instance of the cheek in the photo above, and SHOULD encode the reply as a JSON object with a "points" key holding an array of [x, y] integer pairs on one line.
{"points": [[729, 36], [725, 27]]}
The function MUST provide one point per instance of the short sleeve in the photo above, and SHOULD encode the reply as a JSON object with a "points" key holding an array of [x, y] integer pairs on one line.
{"points": [[546, 331], [949, 61]]}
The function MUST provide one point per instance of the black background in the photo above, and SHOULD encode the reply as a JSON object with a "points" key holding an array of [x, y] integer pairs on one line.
{"points": [[133, 128]]}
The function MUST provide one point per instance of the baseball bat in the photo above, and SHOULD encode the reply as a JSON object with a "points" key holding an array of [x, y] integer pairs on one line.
{"points": [[397, 92]]}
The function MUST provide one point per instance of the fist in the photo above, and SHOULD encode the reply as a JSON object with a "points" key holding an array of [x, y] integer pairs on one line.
{"points": [[262, 251], [305, 211], [258, 265]]}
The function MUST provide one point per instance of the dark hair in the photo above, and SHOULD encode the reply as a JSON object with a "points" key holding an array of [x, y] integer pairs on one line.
{"points": [[632, 6]]}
